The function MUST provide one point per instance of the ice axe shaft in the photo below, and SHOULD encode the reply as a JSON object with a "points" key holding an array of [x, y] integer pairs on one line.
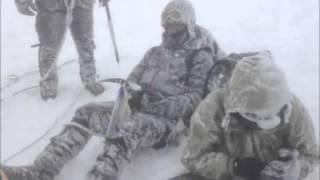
{"points": [[121, 111], [112, 34]]}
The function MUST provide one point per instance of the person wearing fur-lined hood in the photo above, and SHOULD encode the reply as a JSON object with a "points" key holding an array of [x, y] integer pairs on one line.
{"points": [[255, 128]]}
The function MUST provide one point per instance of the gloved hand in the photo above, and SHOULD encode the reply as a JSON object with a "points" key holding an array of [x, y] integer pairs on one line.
{"points": [[134, 101], [248, 168], [158, 107], [135, 92], [26, 7], [286, 167], [177, 133], [104, 2]]}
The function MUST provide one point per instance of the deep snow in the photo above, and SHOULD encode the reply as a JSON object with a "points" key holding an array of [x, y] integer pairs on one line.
{"points": [[289, 28]]}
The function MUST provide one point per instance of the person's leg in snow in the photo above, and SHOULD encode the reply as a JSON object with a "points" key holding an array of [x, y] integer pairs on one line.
{"points": [[51, 25], [51, 29], [143, 131], [82, 33], [92, 118]]}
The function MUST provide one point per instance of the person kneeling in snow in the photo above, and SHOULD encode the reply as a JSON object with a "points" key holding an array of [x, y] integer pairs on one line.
{"points": [[171, 91], [253, 129]]}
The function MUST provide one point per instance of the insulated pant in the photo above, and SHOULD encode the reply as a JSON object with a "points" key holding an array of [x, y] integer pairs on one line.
{"points": [[52, 21], [142, 131]]}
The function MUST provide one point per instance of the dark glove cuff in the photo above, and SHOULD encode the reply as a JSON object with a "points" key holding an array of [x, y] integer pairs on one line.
{"points": [[247, 167], [235, 166]]}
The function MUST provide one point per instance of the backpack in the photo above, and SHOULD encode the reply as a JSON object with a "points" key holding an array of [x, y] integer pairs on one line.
{"points": [[221, 70]]}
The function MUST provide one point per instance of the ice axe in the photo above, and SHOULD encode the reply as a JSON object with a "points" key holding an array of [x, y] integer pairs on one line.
{"points": [[111, 30], [121, 109]]}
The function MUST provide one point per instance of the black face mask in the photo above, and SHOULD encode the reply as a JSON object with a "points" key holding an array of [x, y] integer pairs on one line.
{"points": [[176, 40]]}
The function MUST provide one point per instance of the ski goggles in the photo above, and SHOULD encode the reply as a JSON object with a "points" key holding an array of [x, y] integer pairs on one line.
{"points": [[250, 121], [171, 17], [263, 122]]}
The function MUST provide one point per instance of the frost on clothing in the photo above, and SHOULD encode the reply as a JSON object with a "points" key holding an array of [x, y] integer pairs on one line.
{"points": [[212, 147], [171, 88], [170, 93], [52, 21], [163, 72], [182, 12]]}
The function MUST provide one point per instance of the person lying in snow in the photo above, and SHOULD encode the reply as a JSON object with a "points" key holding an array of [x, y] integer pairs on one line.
{"points": [[171, 91], [253, 129]]}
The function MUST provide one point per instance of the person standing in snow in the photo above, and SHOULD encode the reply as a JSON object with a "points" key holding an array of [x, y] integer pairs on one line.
{"points": [[171, 92], [53, 18], [253, 129]]}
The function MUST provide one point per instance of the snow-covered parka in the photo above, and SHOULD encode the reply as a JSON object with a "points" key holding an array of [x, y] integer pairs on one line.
{"points": [[258, 86], [174, 80]]}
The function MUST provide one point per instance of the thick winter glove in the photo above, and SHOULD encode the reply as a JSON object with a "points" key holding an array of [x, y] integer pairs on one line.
{"points": [[135, 92], [104, 2], [248, 168], [157, 107], [286, 167], [134, 101], [26, 7], [177, 133]]}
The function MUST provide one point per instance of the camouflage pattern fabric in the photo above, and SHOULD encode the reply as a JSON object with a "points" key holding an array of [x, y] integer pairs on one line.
{"points": [[211, 147], [23, 173], [168, 90], [143, 130], [51, 25], [170, 93]]}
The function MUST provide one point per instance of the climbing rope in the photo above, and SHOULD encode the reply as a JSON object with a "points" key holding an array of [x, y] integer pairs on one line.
{"points": [[55, 123]]}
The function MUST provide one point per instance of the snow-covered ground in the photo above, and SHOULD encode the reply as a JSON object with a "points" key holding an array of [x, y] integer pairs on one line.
{"points": [[289, 28]]}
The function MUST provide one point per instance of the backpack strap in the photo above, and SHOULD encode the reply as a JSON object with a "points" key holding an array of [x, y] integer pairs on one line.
{"points": [[189, 61], [206, 89]]}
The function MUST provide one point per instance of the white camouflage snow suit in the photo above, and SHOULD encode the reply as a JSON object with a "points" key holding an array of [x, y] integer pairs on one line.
{"points": [[171, 91], [52, 21], [216, 140]]}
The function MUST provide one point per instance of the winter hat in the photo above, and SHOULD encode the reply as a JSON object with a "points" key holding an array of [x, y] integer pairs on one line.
{"points": [[257, 86], [180, 11]]}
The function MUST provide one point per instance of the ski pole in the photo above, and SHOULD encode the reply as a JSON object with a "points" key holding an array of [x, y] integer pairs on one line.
{"points": [[112, 34]]}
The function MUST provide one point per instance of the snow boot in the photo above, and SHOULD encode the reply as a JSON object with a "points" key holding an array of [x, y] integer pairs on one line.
{"points": [[109, 164], [24, 173], [48, 89], [104, 170], [95, 88]]}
